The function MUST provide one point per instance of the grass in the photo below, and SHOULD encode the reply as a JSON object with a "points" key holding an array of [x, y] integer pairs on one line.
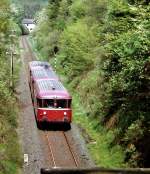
{"points": [[10, 157], [9, 167], [99, 147], [33, 46]]}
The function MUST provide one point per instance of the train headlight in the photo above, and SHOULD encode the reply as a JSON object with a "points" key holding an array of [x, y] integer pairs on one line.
{"points": [[44, 113], [65, 113]]}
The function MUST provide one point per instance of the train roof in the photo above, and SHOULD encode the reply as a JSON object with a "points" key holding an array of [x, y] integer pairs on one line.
{"points": [[42, 73], [51, 89], [39, 63]]}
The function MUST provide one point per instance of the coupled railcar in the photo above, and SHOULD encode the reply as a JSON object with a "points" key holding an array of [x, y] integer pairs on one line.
{"points": [[39, 72], [52, 102], [38, 63]]}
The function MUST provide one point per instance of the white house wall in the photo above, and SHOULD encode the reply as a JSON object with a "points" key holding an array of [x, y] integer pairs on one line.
{"points": [[30, 26]]}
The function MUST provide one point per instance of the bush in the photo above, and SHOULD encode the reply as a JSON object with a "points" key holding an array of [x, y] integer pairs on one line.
{"points": [[24, 30], [103, 50], [9, 147], [77, 45]]}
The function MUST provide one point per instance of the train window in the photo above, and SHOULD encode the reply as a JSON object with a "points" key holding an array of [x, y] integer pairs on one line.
{"points": [[39, 102], [61, 103], [69, 103], [48, 103]]}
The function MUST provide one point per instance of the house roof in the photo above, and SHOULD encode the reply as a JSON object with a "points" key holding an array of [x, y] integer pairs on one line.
{"points": [[28, 21]]}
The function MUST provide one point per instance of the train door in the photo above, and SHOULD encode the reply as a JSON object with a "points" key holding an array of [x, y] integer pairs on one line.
{"points": [[35, 102]]}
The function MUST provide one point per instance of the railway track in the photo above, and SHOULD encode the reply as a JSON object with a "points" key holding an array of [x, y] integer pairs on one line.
{"points": [[29, 54], [57, 149], [72, 152], [60, 149]]}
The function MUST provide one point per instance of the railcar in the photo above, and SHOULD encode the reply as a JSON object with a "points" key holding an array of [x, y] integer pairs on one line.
{"points": [[38, 63], [39, 72], [52, 102]]}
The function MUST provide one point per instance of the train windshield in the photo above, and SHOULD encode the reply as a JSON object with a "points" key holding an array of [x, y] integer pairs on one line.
{"points": [[61, 103], [50, 103]]}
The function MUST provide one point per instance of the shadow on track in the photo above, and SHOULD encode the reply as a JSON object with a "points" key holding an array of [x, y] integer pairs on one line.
{"points": [[54, 126]]}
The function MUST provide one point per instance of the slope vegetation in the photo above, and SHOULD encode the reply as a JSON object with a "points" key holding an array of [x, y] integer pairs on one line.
{"points": [[9, 148], [102, 47]]}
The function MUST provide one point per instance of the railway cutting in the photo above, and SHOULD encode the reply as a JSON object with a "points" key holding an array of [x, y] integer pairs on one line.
{"points": [[52, 148]]}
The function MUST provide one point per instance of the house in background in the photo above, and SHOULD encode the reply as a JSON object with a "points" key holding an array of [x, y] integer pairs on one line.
{"points": [[29, 23]]}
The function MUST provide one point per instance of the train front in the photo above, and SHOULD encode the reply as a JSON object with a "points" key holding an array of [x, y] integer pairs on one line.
{"points": [[53, 103]]}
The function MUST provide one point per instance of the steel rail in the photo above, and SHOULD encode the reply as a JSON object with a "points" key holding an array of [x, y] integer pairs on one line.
{"points": [[72, 153], [50, 149], [23, 44], [26, 45]]}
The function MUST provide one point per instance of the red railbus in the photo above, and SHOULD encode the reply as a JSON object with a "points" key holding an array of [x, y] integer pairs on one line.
{"points": [[52, 102]]}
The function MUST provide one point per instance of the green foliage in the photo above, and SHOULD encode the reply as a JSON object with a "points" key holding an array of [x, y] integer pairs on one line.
{"points": [[53, 8], [124, 70], [29, 8], [87, 89], [103, 50], [96, 11], [44, 33], [78, 9], [63, 13], [24, 30], [77, 49], [97, 138], [9, 148]]}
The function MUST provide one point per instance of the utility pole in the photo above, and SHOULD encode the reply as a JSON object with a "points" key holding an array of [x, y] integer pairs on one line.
{"points": [[12, 67], [12, 53]]}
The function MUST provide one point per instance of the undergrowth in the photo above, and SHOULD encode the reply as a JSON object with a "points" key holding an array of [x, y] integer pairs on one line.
{"points": [[99, 138], [10, 158]]}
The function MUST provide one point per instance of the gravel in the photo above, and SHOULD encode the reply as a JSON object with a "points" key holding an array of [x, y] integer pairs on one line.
{"points": [[79, 145], [28, 133]]}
